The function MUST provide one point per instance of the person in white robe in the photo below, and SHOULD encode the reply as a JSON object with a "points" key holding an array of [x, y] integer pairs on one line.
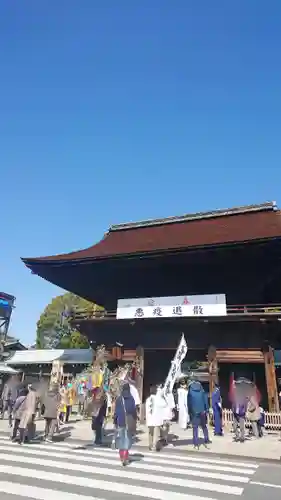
{"points": [[183, 419], [135, 393], [154, 406], [168, 402]]}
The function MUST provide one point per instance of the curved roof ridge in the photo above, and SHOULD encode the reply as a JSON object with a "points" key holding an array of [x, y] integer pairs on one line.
{"points": [[196, 216]]}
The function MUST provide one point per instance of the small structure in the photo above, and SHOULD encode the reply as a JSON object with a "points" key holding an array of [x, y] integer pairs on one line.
{"points": [[7, 370], [9, 347], [7, 303], [50, 363]]}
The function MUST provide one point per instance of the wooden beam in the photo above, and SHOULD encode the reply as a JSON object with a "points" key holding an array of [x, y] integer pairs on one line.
{"points": [[116, 354], [140, 377], [240, 356], [213, 370], [270, 375]]}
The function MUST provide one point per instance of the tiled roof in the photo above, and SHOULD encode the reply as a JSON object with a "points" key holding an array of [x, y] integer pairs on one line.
{"points": [[7, 369], [36, 356], [242, 224], [15, 343], [47, 356]]}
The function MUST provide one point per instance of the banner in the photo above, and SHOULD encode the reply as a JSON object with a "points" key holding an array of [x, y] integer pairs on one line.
{"points": [[172, 307], [175, 366]]}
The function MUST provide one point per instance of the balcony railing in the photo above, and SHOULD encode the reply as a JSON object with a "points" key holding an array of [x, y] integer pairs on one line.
{"points": [[245, 310]]}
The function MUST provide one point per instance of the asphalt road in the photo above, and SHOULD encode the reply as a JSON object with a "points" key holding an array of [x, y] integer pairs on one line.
{"points": [[265, 483], [70, 472]]}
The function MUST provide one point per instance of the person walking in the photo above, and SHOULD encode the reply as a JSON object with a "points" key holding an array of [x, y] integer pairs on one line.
{"points": [[6, 402], [63, 403], [253, 413], [261, 422], [17, 413], [198, 410], [125, 418], [154, 419], [9, 396], [81, 393], [99, 406], [239, 408], [28, 413], [167, 405], [51, 402], [69, 401], [182, 392], [217, 411]]}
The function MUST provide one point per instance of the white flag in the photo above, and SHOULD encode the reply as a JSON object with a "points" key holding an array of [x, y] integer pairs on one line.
{"points": [[175, 366]]}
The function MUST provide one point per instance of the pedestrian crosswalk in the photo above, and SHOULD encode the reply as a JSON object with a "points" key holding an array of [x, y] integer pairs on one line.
{"points": [[39, 470]]}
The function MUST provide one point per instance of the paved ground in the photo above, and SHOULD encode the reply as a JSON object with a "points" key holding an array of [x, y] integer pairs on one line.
{"points": [[269, 448], [71, 472]]}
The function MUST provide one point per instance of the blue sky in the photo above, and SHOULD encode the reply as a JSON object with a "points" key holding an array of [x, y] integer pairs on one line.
{"points": [[113, 111]]}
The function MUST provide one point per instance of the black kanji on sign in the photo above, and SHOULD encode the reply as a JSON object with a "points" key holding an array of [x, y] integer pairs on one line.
{"points": [[174, 371], [177, 311], [157, 311], [168, 387], [180, 353], [197, 310], [139, 313]]}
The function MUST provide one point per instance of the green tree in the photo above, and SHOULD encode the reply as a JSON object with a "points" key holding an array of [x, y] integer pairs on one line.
{"points": [[74, 341], [54, 329]]}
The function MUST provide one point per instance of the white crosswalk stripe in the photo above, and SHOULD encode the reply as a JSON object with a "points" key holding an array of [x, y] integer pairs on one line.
{"points": [[38, 470]]}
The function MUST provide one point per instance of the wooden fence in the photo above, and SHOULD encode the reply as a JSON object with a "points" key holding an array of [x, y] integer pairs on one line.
{"points": [[272, 420]]}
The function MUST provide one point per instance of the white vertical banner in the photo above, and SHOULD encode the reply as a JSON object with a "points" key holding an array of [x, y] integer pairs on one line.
{"points": [[175, 366]]}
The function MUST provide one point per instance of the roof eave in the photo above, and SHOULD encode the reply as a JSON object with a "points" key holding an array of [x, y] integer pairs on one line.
{"points": [[31, 262]]}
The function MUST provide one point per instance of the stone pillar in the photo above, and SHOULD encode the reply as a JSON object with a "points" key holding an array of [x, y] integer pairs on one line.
{"points": [[270, 375]]}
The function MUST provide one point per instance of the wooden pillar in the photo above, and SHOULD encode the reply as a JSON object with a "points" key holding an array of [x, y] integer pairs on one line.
{"points": [[270, 375], [140, 376], [213, 370]]}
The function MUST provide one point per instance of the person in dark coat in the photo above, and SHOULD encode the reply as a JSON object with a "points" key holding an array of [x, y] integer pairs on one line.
{"points": [[99, 407], [27, 421], [125, 418], [9, 396], [217, 411], [261, 422], [50, 406], [197, 402]]}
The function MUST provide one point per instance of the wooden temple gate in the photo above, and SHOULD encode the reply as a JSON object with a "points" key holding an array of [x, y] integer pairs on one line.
{"points": [[233, 356]]}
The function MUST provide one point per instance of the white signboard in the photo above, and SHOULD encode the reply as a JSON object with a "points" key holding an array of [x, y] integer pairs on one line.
{"points": [[172, 307], [175, 366]]}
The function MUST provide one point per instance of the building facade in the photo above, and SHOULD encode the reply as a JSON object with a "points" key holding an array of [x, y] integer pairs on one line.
{"points": [[233, 253]]}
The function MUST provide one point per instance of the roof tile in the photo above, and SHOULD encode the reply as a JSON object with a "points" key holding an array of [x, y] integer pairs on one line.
{"points": [[199, 232]]}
